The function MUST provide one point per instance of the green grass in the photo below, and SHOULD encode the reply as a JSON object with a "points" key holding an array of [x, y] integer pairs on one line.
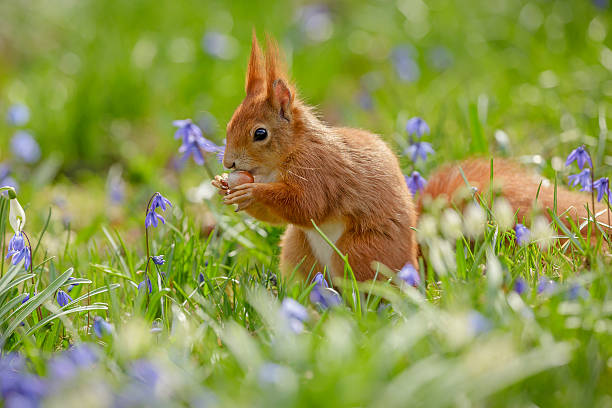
{"points": [[540, 71]]}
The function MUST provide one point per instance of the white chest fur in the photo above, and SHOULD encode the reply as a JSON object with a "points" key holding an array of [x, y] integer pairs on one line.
{"points": [[320, 248]]}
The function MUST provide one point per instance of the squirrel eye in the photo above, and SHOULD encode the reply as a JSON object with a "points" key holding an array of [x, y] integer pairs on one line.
{"points": [[260, 134]]}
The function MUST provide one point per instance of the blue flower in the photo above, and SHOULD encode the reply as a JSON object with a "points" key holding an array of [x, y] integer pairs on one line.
{"points": [[417, 126], [18, 250], [603, 187], [69, 363], [146, 282], [6, 179], [18, 115], [545, 285], [520, 286], [72, 285], [415, 182], [404, 63], [158, 201], [101, 327], [25, 299], [201, 278], [295, 314], [145, 372], [478, 323], [193, 141], [409, 275], [158, 259], [522, 234], [221, 153], [63, 298], [419, 149], [25, 147], [583, 178], [577, 291], [18, 388], [322, 295], [580, 155]]}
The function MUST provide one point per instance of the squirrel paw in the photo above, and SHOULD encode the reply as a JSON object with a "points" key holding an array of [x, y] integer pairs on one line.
{"points": [[241, 195]]}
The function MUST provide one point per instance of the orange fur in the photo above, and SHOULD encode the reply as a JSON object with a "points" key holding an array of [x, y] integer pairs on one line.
{"points": [[347, 181]]}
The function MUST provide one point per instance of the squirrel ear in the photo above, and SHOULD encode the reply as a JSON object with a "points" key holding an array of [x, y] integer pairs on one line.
{"points": [[281, 98], [279, 91], [255, 77]]}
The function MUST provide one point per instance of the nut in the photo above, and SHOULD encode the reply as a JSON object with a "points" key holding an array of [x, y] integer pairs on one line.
{"points": [[239, 177]]}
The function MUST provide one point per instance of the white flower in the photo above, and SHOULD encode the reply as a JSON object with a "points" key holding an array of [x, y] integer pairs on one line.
{"points": [[427, 228], [450, 224], [502, 211], [474, 220], [541, 232], [17, 216]]}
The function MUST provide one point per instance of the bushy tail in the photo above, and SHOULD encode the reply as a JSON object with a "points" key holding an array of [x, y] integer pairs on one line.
{"points": [[518, 185]]}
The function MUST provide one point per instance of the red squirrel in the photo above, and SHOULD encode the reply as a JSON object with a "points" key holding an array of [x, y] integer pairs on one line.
{"points": [[348, 181]]}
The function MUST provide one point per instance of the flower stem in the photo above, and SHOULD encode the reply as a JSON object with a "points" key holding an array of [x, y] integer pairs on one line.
{"points": [[38, 311]]}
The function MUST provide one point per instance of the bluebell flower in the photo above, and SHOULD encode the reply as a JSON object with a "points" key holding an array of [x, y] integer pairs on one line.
{"points": [[478, 323], [219, 45], [18, 114], [417, 126], [315, 21], [152, 217], [520, 286], [25, 147], [6, 179], [577, 291], [583, 178], [145, 283], [194, 143], [322, 295], [419, 149], [221, 153], [415, 182], [26, 298], [145, 372], [68, 364], [404, 63], [522, 234], [101, 327], [63, 298], [19, 251], [201, 278], [17, 387], [295, 314], [580, 155], [409, 275], [72, 285], [545, 285], [603, 187], [158, 259]]}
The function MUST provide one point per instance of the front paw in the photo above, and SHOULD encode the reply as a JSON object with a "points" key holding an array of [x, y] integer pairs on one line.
{"points": [[242, 195]]}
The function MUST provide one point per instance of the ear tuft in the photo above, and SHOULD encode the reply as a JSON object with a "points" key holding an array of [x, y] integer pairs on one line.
{"points": [[255, 77], [279, 90]]}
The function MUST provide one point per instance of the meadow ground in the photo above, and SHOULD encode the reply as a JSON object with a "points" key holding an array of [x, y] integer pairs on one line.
{"points": [[89, 91]]}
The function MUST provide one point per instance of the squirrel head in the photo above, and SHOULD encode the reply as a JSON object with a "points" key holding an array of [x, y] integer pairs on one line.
{"points": [[262, 128]]}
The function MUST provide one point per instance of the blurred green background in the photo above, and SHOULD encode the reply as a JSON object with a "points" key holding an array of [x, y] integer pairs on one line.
{"points": [[103, 80]]}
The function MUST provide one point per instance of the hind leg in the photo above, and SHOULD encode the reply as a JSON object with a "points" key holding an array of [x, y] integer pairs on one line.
{"points": [[295, 250]]}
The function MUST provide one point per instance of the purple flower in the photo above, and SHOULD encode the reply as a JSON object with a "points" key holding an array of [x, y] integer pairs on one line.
{"points": [[18, 115], [72, 285], [19, 251], [69, 363], [478, 323], [221, 153], [18, 388], [26, 298], [5, 178], [295, 314], [25, 147], [322, 295], [603, 187], [145, 283], [522, 234], [219, 45], [580, 155], [545, 285], [409, 275], [415, 182], [520, 286], [201, 278], [417, 126], [145, 372], [577, 291], [583, 178], [404, 63], [63, 298], [158, 259], [193, 141], [158, 201], [101, 327], [419, 149]]}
